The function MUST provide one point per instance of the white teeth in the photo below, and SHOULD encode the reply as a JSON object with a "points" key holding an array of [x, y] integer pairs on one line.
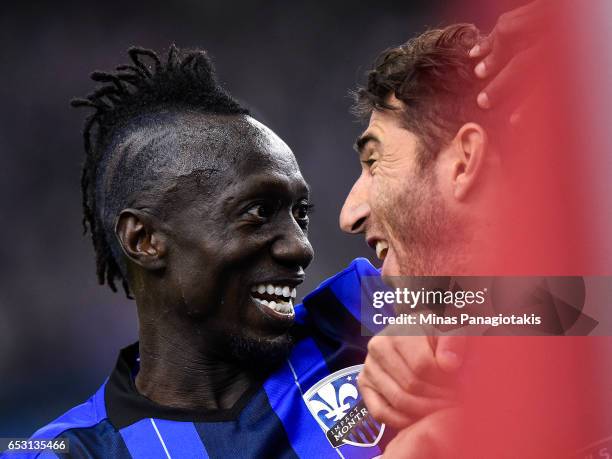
{"points": [[278, 290], [283, 307], [381, 249], [283, 303]]}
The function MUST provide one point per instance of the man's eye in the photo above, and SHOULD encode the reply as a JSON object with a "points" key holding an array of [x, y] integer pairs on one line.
{"points": [[368, 163], [260, 210], [302, 210]]}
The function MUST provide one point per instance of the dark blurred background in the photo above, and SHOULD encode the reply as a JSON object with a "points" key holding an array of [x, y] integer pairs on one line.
{"points": [[292, 63]]}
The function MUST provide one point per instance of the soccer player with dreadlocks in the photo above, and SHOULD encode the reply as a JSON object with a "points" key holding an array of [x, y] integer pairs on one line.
{"points": [[201, 213]]}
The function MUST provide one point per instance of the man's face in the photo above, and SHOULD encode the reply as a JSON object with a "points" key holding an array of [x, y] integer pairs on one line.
{"points": [[238, 242], [395, 202]]}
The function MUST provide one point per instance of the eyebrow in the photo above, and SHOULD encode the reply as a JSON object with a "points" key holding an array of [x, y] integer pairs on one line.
{"points": [[363, 140], [266, 187]]}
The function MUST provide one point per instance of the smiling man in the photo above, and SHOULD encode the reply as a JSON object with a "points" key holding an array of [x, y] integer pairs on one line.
{"points": [[201, 213], [430, 174], [426, 202]]}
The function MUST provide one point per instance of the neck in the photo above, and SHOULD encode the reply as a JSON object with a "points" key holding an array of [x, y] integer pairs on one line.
{"points": [[180, 370], [477, 254]]}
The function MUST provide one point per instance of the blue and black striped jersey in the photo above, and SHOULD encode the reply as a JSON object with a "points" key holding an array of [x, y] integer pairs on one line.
{"points": [[309, 407]]}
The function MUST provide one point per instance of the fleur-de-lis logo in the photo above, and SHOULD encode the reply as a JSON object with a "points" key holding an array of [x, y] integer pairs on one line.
{"points": [[335, 406]]}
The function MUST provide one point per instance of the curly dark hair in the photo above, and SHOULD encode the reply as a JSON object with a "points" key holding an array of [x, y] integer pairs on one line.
{"points": [[132, 93], [432, 75]]}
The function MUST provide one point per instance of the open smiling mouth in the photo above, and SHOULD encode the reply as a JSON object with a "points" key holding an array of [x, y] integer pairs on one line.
{"points": [[275, 300]]}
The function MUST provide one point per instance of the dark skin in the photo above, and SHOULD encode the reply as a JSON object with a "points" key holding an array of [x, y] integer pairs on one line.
{"points": [[239, 222]]}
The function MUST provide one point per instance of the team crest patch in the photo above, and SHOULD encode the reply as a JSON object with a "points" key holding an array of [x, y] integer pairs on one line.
{"points": [[336, 404]]}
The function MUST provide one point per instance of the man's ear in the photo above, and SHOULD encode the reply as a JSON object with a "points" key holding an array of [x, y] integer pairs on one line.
{"points": [[470, 145], [141, 239]]}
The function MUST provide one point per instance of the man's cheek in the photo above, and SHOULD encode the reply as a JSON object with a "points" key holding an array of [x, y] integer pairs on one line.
{"points": [[385, 207], [379, 199]]}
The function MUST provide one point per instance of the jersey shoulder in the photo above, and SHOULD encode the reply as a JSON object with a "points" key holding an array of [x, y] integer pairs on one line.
{"points": [[86, 428], [85, 415], [335, 306]]}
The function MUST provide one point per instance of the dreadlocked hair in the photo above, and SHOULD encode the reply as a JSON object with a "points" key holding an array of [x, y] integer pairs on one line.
{"points": [[185, 80]]}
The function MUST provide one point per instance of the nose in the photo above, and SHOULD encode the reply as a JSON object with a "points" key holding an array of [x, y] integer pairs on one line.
{"points": [[292, 248], [356, 208]]}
